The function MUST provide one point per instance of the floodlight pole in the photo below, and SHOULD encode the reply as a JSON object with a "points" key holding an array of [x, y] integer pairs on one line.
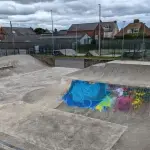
{"points": [[99, 45], [52, 32]]}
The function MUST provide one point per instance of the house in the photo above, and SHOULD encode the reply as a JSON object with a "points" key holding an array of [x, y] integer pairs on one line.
{"points": [[2, 35], [110, 29], [91, 29], [18, 31], [17, 38], [135, 29]]}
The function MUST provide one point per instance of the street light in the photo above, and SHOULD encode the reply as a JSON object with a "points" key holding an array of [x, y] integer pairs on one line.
{"points": [[99, 29], [123, 39], [143, 41], [12, 34], [76, 38], [144, 35], [52, 33]]}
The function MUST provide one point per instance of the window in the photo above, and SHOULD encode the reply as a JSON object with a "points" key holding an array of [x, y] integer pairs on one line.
{"points": [[107, 26], [129, 31], [135, 30]]}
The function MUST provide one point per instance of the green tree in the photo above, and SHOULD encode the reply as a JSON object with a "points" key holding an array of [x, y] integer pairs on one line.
{"points": [[39, 31]]}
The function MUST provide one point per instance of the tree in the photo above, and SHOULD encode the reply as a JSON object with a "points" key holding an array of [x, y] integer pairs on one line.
{"points": [[39, 31]]}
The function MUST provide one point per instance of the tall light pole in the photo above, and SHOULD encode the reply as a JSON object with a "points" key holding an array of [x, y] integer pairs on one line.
{"points": [[123, 39], [144, 35], [52, 32], [143, 42], [99, 44], [76, 38], [12, 33]]}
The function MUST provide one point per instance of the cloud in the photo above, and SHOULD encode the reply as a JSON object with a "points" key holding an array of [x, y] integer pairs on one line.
{"points": [[31, 1], [66, 12]]}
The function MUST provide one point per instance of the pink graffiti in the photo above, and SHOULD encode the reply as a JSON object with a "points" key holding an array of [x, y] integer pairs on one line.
{"points": [[123, 103]]}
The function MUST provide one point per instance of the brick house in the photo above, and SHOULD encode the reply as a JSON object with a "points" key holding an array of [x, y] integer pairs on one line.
{"points": [[110, 29], [91, 29], [2, 34], [136, 28]]}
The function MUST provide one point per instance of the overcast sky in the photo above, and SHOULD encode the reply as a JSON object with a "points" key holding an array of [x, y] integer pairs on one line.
{"points": [[36, 13]]}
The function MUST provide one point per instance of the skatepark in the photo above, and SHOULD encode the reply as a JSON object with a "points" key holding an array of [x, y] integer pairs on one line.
{"points": [[33, 116]]}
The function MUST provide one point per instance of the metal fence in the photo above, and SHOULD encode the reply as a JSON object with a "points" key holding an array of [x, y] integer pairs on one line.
{"points": [[114, 48]]}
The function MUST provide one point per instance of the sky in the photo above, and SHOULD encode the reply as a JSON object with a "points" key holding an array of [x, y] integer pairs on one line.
{"points": [[36, 13]]}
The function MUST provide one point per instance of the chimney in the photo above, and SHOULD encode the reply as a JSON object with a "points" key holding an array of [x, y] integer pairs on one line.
{"points": [[136, 20]]}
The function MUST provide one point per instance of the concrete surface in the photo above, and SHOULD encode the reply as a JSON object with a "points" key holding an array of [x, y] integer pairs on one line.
{"points": [[8, 142], [27, 100], [136, 137], [59, 130], [89, 73], [29, 82], [21, 64], [131, 73]]}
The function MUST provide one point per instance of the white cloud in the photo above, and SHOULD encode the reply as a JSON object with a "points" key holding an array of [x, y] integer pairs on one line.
{"points": [[66, 12]]}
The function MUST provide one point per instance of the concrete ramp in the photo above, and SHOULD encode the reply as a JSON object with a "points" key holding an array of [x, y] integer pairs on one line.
{"points": [[130, 73], [60, 130], [8, 142], [65, 52], [89, 73], [93, 53]]}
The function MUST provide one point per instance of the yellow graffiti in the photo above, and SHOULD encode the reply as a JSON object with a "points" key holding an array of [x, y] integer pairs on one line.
{"points": [[138, 99]]}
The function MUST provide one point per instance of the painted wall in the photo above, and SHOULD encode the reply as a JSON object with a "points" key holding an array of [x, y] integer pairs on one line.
{"points": [[103, 97], [124, 98]]}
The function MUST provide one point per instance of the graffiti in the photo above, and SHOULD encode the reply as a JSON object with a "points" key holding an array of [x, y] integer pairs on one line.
{"points": [[102, 97], [125, 98]]}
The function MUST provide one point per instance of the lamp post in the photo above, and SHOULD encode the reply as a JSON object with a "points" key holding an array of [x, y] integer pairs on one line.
{"points": [[12, 33], [123, 39], [99, 45], [52, 32], [76, 38], [143, 42], [144, 35]]}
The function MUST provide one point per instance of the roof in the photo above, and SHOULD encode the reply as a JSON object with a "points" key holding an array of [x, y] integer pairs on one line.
{"points": [[83, 27], [139, 25], [19, 31], [109, 26], [72, 36], [92, 26], [30, 38], [62, 32]]}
